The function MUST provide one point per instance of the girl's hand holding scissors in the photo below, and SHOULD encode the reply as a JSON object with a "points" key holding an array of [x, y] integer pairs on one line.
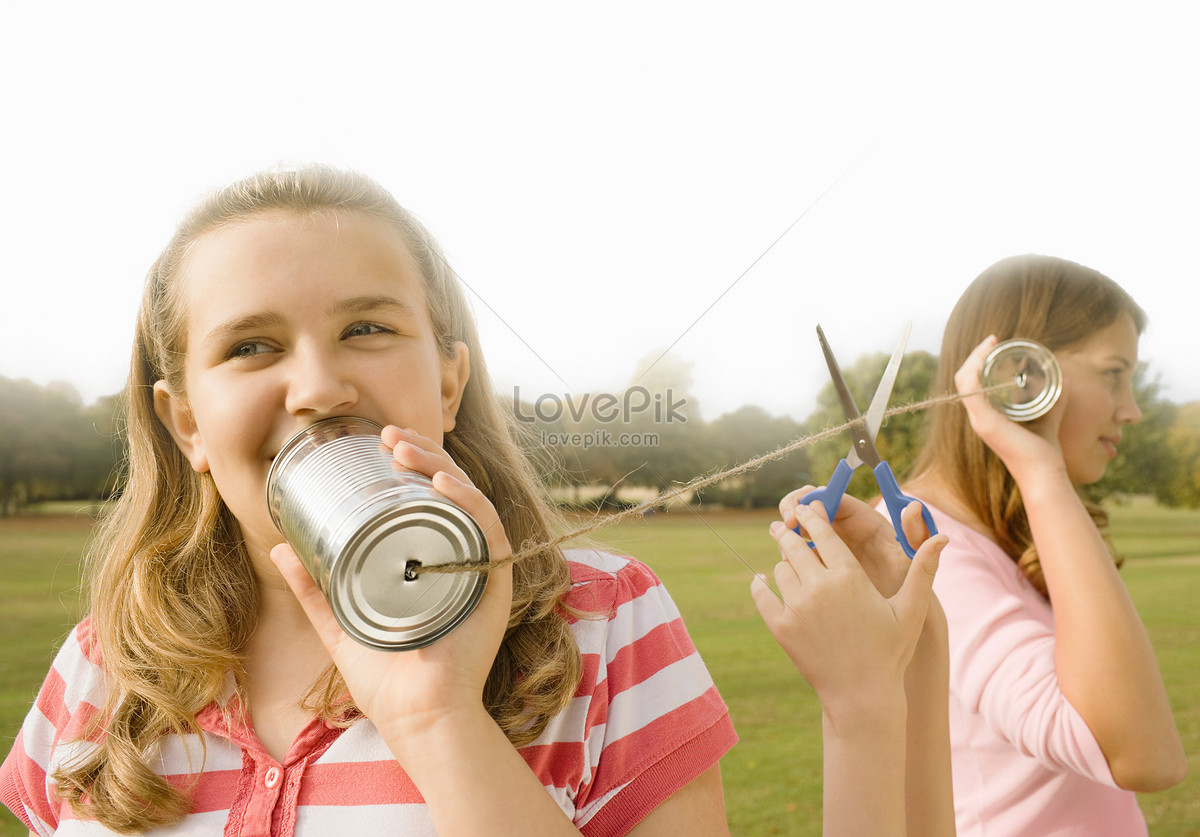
{"points": [[853, 609], [860, 623]]}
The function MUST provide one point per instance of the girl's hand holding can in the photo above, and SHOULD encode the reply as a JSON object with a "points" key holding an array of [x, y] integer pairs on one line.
{"points": [[404, 693], [1018, 444]]}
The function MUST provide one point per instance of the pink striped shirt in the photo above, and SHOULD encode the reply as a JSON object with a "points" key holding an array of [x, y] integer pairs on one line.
{"points": [[645, 721]]}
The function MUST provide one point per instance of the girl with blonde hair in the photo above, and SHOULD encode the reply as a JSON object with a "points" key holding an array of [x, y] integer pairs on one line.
{"points": [[1057, 705], [210, 689]]}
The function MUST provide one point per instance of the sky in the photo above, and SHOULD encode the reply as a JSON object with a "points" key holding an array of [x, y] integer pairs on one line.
{"points": [[614, 180]]}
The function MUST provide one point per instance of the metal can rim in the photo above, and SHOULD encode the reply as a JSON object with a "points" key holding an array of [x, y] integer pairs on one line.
{"points": [[293, 445], [444, 613], [1046, 398]]}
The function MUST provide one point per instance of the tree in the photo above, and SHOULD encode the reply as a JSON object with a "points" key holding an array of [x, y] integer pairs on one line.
{"points": [[51, 447], [1181, 487], [102, 449], [647, 435], [19, 408], [900, 435], [745, 434], [658, 440]]}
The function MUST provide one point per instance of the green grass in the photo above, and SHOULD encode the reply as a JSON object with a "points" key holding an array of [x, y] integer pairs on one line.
{"points": [[39, 602], [1141, 530], [39, 577], [773, 776]]}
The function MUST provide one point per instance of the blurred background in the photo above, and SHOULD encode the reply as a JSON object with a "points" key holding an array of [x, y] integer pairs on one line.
{"points": [[613, 182], [644, 199]]}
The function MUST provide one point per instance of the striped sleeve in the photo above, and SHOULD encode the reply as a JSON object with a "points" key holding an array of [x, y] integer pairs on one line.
{"points": [[65, 705], [647, 717]]}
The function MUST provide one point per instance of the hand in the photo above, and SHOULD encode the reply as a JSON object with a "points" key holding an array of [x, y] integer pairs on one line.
{"points": [[869, 536], [398, 690], [843, 636], [1020, 445]]}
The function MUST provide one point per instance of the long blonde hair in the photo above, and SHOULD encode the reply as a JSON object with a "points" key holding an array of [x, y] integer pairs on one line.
{"points": [[1053, 301], [173, 596]]}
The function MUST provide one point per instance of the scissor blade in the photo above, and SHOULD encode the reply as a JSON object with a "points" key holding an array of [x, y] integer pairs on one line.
{"points": [[843, 392], [862, 448], [883, 392]]}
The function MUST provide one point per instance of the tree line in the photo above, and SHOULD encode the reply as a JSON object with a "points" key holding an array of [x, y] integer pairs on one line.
{"points": [[1159, 456], [603, 449], [53, 447]]}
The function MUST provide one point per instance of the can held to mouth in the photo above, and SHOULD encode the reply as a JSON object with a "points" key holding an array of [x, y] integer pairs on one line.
{"points": [[1034, 375], [362, 525]]}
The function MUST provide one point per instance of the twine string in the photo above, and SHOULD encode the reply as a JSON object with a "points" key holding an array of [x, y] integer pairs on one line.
{"points": [[703, 481]]}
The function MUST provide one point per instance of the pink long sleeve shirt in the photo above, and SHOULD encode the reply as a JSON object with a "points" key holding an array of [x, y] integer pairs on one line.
{"points": [[1024, 762]]}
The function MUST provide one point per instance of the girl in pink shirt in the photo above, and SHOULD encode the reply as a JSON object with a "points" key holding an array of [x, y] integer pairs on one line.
{"points": [[1057, 706]]}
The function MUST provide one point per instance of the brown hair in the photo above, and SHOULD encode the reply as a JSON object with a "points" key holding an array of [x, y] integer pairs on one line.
{"points": [[1053, 301], [173, 597]]}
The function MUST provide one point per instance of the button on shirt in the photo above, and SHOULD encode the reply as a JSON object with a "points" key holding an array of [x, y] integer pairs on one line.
{"points": [[267, 793]]}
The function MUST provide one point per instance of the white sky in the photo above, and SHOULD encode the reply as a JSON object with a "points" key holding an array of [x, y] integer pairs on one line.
{"points": [[600, 174]]}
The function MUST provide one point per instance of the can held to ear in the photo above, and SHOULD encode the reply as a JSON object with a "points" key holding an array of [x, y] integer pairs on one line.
{"points": [[362, 525], [1034, 375]]}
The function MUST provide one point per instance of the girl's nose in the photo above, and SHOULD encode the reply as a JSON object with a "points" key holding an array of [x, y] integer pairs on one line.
{"points": [[1128, 411], [318, 385]]}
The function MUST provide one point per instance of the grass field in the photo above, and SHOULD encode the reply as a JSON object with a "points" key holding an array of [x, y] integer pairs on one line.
{"points": [[772, 778]]}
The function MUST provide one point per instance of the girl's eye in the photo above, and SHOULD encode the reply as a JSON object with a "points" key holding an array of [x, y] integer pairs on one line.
{"points": [[365, 329], [1115, 376], [249, 348]]}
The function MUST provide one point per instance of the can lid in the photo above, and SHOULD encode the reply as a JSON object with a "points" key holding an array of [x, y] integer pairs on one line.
{"points": [[1034, 373], [379, 600]]}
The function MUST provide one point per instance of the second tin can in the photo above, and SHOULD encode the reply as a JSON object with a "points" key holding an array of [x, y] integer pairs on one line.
{"points": [[361, 525], [1032, 373]]}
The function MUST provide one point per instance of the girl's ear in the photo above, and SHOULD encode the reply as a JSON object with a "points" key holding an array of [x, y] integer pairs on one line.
{"points": [[455, 372], [176, 416]]}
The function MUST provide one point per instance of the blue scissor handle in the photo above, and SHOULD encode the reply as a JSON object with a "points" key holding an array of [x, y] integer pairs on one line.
{"points": [[830, 495], [896, 501]]}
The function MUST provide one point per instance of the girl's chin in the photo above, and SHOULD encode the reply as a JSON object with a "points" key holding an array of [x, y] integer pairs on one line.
{"points": [[1089, 476]]}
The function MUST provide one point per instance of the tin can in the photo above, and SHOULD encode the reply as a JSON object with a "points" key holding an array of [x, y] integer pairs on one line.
{"points": [[1034, 375], [361, 525]]}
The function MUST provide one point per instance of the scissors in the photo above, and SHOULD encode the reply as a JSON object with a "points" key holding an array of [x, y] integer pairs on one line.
{"points": [[863, 431]]}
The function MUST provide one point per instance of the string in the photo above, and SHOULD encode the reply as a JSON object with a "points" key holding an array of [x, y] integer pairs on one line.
{"points": [[528, 551]]}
